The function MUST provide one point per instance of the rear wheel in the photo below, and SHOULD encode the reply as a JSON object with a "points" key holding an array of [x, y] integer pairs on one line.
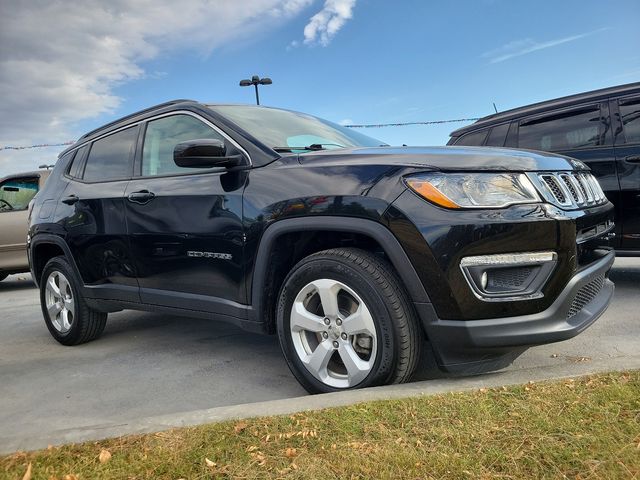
{"points": [[344, 321], [66, 314]]}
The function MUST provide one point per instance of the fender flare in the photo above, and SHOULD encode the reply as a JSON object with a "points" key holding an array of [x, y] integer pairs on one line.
{"points": [[377, 231], [48, 238]]}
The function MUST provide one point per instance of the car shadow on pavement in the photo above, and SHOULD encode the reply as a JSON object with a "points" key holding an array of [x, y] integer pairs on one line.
{"points": [[626, 272], [16, 282]]}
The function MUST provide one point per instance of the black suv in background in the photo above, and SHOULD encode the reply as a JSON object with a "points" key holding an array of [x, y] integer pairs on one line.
{"points": [[352, 251], [601, 128]]}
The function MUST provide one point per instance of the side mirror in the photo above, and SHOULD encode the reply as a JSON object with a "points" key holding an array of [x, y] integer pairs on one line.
{"points": [[203, 153]]}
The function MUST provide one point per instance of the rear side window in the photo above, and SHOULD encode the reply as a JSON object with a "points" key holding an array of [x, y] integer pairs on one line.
{"points": [[163, 135], [473, 139], [497, 135], [75, 166], [110, 157], [567, 130], [630, 115]]}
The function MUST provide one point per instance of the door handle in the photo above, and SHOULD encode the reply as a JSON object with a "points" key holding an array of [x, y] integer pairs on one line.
{"points": [[141, 197], [633, 159], [70, 200]]}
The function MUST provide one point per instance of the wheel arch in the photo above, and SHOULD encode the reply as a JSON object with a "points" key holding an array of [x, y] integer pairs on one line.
{"points": [[261, 302], [44, 247]]}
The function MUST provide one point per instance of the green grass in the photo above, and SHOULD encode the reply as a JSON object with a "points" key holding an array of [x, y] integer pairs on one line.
{"points": [[588, 428]]}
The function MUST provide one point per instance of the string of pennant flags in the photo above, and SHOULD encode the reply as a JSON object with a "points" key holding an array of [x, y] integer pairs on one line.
{"points": [[404, 124], [362, 125], [39, 145]]}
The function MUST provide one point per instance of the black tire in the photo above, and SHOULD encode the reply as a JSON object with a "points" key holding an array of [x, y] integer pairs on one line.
{"points": [[86, 324], [398, 334]]}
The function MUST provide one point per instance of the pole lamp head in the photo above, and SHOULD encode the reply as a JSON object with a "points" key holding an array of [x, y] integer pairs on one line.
{"points": [[245, 83], [265, 81]]}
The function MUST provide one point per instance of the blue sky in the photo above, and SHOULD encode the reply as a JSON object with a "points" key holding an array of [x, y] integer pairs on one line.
{"points": [[379, 62]]}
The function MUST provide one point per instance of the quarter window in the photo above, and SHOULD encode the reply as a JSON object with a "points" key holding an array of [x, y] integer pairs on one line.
{"points": [[473, 138], [75, 165], [110, 157], [16, 193], [498, 135], [564, 131], [163, 135], [630, 115]]}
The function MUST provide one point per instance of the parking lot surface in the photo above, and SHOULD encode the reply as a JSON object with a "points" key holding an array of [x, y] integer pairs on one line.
{"points": [[148, 365]]}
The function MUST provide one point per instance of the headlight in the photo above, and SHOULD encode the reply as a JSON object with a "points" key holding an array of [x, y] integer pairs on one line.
{"points": [[474, 190]]}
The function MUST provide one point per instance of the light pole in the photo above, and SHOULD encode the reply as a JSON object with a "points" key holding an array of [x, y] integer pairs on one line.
{"points": [[255, 81]]}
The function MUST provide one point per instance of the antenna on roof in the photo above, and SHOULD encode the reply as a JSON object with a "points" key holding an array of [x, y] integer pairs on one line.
{"points": [[494, 107]]}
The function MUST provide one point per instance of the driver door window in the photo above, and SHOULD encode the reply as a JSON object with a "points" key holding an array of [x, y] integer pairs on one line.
{"points": [[16, 193], [163, 135]]}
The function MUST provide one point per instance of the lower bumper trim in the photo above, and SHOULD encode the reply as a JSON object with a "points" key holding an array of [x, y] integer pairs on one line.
{"points": [[462, 345]]}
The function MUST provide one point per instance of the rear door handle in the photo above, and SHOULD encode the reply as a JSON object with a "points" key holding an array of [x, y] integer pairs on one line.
{"points": [[70, 200], [141, 197], [633, 159]]}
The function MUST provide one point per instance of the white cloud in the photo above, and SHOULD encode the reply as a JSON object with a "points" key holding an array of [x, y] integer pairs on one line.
{"points": [[60, 61], [346, 121], [525, 46], [327, 22]]}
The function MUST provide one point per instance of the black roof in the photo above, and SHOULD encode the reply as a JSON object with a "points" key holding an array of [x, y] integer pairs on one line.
{"points": [[507, 115], [132, 115], [116, 123]]}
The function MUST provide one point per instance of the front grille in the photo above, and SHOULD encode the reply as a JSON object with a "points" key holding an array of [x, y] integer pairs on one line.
{"points": [[569, 190], [586, 293]]}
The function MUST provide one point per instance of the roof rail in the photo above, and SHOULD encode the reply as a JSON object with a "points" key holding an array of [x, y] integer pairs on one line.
{"points": [[135, 114]]}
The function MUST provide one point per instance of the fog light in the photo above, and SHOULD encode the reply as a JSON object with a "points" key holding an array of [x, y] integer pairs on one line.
{"points": [[511, 276]]}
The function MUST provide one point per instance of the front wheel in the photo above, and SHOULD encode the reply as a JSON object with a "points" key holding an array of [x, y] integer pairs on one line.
{"points": [[66, 314], [344, 321]]}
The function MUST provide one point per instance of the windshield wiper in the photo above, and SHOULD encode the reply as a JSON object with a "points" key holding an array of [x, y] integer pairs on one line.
{"points": [[313, 147]]}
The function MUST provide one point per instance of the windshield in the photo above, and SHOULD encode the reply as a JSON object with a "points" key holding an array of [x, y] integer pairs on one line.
{"points": [[293, 131]]}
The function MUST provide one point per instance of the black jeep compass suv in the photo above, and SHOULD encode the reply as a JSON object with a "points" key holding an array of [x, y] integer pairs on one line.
{"points": [[354, 252]]}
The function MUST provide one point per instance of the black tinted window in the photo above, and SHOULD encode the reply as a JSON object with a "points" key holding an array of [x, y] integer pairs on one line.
{"points": [[73, 170], [109, 157], [563, 131], [497, 135], [163, 135], [473, 138], [630, 114]]}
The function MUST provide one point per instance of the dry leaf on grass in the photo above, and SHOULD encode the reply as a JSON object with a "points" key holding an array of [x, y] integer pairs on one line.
{"points": [[290, 452], [27, 474], [105, 456], [240, 426], [71, 476], [209, 463]]}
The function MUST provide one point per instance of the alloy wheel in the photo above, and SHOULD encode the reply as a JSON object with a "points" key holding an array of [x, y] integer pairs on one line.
{"points": [[59, 302], [333, 333]]}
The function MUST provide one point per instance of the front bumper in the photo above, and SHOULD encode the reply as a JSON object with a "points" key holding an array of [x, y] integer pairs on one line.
{"points": [[481, 345]]}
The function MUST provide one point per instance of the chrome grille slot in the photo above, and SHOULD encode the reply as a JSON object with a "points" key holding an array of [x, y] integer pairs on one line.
{"points": [[597, 190], [554, 188], [569, 190], [588, 194], [575, 193]]}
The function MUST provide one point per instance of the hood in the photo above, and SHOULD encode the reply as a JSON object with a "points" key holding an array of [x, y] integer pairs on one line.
{"points": [[447, 158]]}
